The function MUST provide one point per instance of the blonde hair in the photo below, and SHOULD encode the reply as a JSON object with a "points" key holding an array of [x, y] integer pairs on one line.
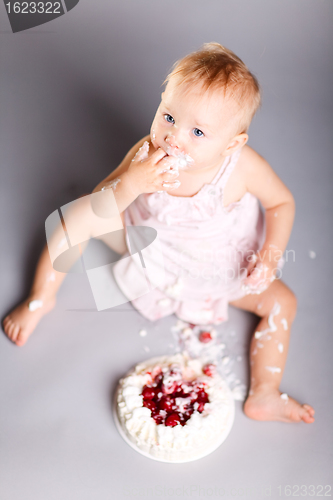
{"points": [[216, 67]]}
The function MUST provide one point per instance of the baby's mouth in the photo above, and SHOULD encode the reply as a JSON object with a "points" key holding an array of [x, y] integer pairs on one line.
{"points": [[183, 160]]}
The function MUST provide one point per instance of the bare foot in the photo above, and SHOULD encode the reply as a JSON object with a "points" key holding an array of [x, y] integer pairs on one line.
{"points": [[267, 404], [21, 322]]}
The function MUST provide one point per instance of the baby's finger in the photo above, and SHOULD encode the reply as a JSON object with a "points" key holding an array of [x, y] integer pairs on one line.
{"points": [[158, 155], [171, 185], [142, 154], [169, 175], [167, 163], [250, 290], [252, 260], [255, 282], [256, 278]]}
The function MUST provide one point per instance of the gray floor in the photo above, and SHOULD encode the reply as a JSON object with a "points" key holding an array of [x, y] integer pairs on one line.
{"points": [[75, 95]]}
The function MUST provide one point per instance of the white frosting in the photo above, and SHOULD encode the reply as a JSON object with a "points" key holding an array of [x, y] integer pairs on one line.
{"points": [[273, 369], [142, 153], [171, 185], [284, 323], [187, 340], [35, 304], [260, 284], [50, 277], [239, 392], [280, 347], [182, 160], [272, 326], [111, 185], [179, 443]]}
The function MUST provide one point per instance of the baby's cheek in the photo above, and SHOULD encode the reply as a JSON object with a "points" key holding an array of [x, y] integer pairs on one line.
{"points": [[155, 132], [153, 140]]}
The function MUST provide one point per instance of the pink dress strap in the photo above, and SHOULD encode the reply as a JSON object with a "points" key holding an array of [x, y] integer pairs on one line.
{"points": [[224, 173]]}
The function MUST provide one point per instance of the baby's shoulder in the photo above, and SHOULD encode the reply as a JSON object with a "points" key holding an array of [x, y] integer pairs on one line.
{"points": [[260, 179], [251, 165], [249, 158], [248, 165], [246, 159]]}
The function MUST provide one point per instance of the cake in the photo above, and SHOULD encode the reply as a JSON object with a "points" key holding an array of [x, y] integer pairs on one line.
{"points": [[174, 409]]}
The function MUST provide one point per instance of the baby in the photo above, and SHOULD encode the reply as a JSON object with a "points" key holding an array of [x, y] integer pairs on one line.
{"points": [[198, 184]]}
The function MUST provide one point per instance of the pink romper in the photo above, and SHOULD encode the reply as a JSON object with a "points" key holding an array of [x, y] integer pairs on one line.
{"points": [[205, 248]]}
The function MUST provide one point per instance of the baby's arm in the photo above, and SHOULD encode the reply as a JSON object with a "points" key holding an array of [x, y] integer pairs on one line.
{"points": [[143, 170], [278, 202]]}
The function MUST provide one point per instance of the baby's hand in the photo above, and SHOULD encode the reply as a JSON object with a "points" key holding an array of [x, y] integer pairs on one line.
{"points": [[152, 173], [259, 276]]}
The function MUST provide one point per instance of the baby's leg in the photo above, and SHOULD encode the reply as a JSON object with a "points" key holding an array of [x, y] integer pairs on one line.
{"points": [[21, 322], [268, 352]]}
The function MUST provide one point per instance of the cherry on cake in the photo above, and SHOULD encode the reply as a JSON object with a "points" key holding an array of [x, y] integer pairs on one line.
{"points": [[174, 409]]}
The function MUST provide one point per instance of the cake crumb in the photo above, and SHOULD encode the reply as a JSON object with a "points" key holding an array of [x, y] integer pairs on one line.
{"points": [[284, 323], [273, 369]]}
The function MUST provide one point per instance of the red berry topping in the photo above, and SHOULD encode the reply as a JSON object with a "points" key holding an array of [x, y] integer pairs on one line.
{"points": [[148, 392], [202, 396], [158, 379], [166, 403], [188, 413], [165, 397], [201, 406], [170, 387], [209, 370], [158, 418], [205, 337], [148, 403], [192, 325], [172, 420]]}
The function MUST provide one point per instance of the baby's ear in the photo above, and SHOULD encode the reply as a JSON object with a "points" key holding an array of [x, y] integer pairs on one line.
{"points": [[237, 142]]}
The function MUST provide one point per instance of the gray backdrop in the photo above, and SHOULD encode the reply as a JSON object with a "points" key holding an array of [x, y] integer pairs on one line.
{"points": [[76, 93]]}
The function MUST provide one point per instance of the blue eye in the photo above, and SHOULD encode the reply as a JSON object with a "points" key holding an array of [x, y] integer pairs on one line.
{"points": [[197, 132], [169, 118]]}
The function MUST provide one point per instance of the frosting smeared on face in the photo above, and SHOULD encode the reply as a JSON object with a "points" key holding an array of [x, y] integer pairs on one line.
{"points": [[183, 160]]}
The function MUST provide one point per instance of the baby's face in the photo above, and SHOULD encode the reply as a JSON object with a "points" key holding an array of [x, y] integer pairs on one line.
{"points": [[195, 126]]}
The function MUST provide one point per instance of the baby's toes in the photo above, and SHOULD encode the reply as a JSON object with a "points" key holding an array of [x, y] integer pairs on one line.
{"points": [[7, 322], [310, 409], [307, 413], [13, 331], [8, 327], [22, 338]]}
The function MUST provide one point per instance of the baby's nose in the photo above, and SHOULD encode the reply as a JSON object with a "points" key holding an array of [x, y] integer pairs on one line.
{"points": [[171, 140]]}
